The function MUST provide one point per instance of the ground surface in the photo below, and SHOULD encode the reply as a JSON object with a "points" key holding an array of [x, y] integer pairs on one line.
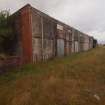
{"points": [[75, 80]]}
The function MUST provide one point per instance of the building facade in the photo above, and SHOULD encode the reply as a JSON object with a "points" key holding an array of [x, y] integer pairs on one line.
{"points": [[40, 37]]}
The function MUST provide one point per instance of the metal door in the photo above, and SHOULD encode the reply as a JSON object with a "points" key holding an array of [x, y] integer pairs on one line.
{"points": [[76, 46], [60, 47]]}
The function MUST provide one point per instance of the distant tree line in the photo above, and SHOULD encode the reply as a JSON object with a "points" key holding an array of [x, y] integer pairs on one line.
{"points": [[6, 32]]}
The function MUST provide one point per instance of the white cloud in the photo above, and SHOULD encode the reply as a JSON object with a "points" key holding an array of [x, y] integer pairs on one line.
{"points": [[85, 15]]}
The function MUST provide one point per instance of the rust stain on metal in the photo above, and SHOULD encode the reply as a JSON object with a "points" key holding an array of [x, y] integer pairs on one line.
{"points": [[43, 37]]}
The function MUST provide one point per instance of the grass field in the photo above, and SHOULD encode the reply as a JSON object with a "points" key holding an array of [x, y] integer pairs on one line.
{"points": [[75, 80]]}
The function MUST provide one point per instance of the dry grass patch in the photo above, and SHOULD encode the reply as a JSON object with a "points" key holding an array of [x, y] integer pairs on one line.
{"points": [[75, 80]]}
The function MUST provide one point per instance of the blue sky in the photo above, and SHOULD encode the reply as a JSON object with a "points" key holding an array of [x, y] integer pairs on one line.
{"points": [[86, 15]]}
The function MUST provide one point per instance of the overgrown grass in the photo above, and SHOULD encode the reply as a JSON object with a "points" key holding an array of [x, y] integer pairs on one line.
{"points": [[72, 80]]}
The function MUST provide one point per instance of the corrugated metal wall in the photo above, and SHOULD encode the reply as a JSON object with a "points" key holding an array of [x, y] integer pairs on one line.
{"points": [[75, 41], [60, 47], [81, 42], [68, 41], [43, 37], [21, 22], [60, 40]]}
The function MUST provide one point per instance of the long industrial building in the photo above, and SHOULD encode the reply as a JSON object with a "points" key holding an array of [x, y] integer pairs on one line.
{"points": [[40, 37]]}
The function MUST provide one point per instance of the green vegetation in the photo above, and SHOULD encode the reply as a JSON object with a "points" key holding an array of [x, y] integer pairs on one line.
{"points": [[75, 80], [6, 33]]}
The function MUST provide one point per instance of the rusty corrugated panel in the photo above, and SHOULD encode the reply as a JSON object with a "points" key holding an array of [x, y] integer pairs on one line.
{"points": [[42, 37], [26, 32], [67, 48], [68, 41]]}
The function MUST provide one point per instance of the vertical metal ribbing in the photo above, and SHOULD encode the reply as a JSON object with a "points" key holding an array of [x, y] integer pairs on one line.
{"points": [[42, 35], [78, 41], [73, 44], [31, 33], [26, 34]]}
